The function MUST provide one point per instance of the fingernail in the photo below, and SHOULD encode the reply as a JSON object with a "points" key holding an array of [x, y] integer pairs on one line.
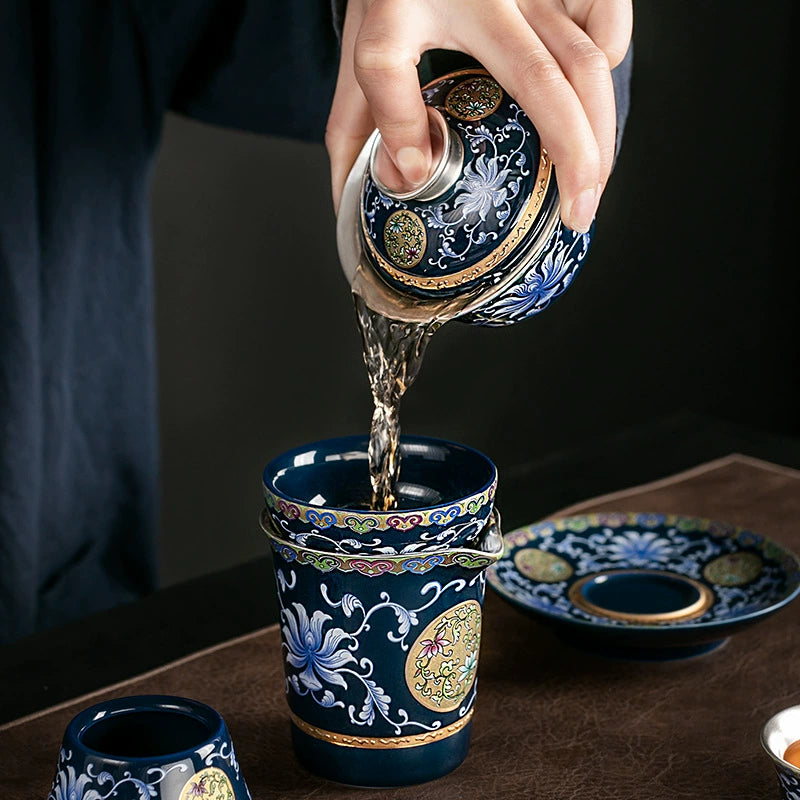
{"points": [[582, 212], [412, 163]]}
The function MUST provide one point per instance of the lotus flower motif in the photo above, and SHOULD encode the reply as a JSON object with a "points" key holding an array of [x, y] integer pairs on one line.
{"points": [[313, 651], [639, 549], [482, 187]]}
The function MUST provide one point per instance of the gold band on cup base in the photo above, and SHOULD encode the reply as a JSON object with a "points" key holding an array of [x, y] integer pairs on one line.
{"points": [[382, 742]]}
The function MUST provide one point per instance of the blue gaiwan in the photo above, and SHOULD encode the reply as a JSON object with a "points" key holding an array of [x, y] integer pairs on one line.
{"points": [[482, 240]]}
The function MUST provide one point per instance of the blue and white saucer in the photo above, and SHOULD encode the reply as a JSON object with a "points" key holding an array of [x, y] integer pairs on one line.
{"points": [[643, 585]]}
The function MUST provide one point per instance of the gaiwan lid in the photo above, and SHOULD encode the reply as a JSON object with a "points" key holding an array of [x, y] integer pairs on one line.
{"points": [[491, 196]]}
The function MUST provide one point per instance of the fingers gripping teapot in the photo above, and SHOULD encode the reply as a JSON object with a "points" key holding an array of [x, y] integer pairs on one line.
{"points": [[482, 240]]}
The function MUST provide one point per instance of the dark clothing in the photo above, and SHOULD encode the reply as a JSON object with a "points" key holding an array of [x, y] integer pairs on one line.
{"points": [[84, 88]]}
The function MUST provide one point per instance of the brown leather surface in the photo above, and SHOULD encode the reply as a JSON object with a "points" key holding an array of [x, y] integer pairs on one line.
{"points": [[551, 722]]}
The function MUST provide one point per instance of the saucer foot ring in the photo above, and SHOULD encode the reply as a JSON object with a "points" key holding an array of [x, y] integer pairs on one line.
{"points": [[622, 652]]}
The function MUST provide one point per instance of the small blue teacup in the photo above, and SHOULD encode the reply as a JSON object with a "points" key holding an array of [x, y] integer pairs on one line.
{"points": [[318, 496], [781, 730], [155, 746]]}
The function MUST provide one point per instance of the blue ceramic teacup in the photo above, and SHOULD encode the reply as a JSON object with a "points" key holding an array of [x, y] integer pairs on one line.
{"points": [[380, 657], [152, 746], [781, 730], [318, 497]]}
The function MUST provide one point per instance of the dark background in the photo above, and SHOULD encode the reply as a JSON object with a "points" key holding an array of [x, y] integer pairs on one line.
{"points": [[688, 301]]}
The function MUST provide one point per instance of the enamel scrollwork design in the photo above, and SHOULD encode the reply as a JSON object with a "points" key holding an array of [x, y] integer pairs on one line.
{"points": [[91, 784], [325, 663]]}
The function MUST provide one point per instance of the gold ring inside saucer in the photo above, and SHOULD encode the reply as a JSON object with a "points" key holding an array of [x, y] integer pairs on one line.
{"points": [[696, 609]]}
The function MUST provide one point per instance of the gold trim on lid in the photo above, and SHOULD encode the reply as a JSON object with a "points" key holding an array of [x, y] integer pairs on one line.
{"points": [[382, 742]]}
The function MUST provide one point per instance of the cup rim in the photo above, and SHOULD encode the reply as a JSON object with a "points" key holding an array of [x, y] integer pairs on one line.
{"points": [[131, 704], [776, 758], [271, 467]]}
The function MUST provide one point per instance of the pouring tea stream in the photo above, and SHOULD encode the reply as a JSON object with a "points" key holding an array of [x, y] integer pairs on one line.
{"points": [[481, 242]]}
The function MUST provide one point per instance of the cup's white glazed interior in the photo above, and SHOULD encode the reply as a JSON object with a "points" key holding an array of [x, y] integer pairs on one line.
{"points": [[780, 731]]}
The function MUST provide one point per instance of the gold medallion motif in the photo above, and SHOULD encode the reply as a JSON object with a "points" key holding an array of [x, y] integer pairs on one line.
{"points": [[405, 239], [474, 98], [441, 665], [541, 566], [733, 569], [211, 783]]}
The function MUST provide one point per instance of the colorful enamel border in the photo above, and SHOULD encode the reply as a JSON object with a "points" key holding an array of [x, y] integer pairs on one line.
{"points": [[368, 522], [372, 566]]}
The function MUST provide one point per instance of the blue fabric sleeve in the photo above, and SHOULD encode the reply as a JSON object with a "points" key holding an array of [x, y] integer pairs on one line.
{"points": [[255, 65]]}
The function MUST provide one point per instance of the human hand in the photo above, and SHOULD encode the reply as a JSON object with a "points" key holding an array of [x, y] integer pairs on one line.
{"points": [[553, 56]]}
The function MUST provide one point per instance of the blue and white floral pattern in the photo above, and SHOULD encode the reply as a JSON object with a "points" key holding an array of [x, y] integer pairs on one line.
{"points": [[501, 207], [483, 188], [352, 640], [89, 784], [91, 776], [220, 750], [681, 546], [324, 661], [311, 651], [478, 214], [540, 285], [789, 784], [639, 548]]}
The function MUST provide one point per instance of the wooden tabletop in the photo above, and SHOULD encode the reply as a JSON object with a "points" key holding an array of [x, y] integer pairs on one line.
{"points": [[550, 721]]}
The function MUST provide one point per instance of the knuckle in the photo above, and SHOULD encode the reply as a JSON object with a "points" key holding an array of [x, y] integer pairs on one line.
{"points": [[377, 55], [586, 57], [395, 127], [542, 73], [577, 161], [338, 132]]}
